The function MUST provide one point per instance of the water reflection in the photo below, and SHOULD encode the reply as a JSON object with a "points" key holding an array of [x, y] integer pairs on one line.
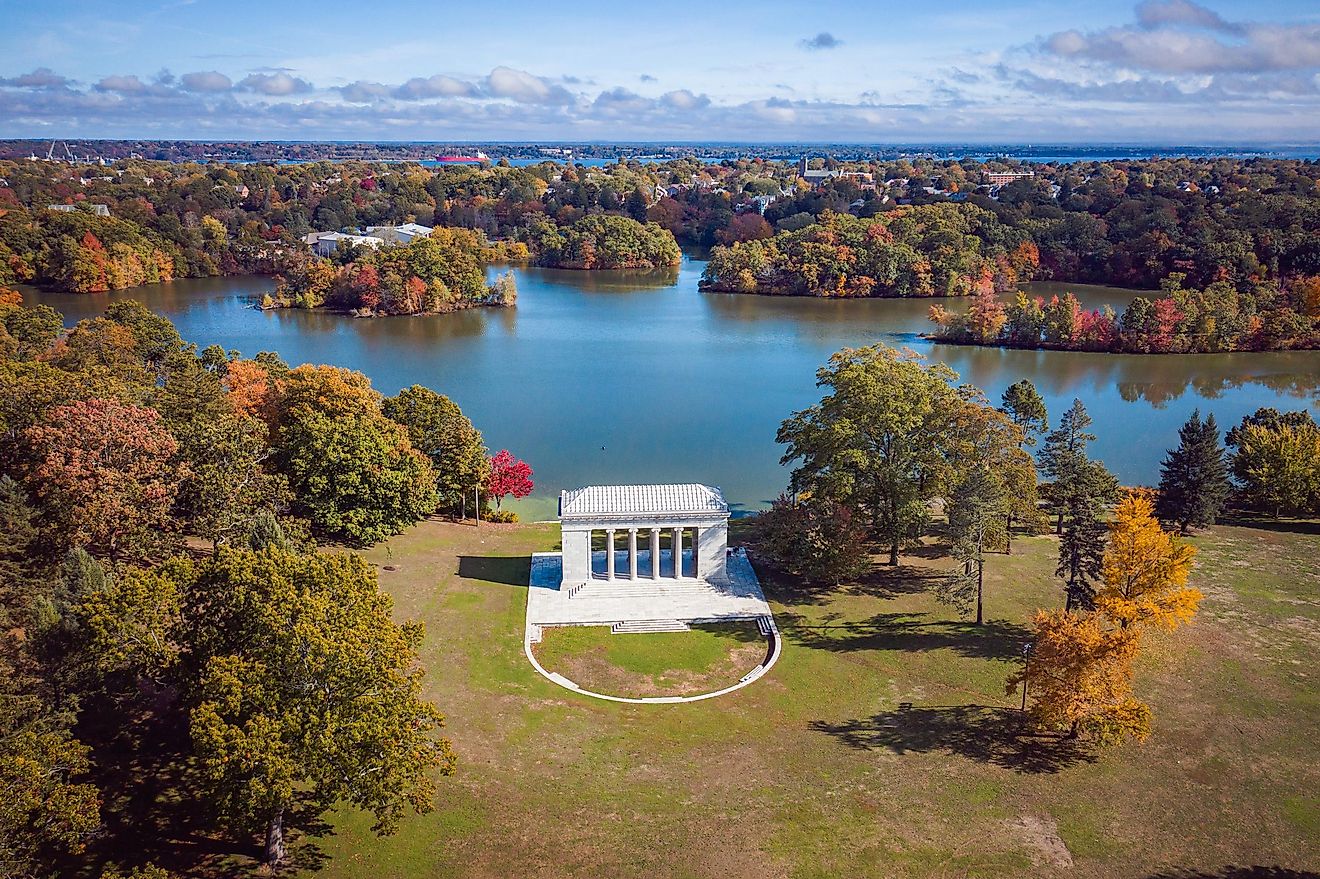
{"points": [[601, 377]]}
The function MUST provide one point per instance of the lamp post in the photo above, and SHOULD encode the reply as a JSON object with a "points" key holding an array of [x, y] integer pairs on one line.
{"points": [[1026, 664]]}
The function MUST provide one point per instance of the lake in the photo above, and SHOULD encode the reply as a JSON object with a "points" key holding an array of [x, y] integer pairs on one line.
{"points": [[614, 377]]}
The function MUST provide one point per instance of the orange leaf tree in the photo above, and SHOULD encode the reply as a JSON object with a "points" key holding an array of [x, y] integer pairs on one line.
{"points": [[1145, 569], [1080, 677]]}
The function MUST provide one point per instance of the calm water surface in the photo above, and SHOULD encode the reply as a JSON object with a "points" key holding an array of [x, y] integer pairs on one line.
{"points": [[608, 377]]}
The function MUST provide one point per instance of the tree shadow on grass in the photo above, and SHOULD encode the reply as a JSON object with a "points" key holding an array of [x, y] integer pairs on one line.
{"points": [[996, 736], [1261, 523], [155, 808], [1235, 872], [880, 581], [510, 570], [152, 809], [993, 639]]}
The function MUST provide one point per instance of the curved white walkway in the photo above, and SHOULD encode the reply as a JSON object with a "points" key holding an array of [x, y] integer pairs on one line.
{"points": [[740, 599]]}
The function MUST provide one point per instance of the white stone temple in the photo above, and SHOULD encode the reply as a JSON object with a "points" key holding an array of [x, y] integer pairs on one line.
{"points": [[632, 522], [663, 566]]}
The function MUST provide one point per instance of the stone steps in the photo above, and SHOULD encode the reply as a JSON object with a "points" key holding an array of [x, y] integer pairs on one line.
{"points": [[633, 590], [763, 623], [534, 633], [640, 627]]}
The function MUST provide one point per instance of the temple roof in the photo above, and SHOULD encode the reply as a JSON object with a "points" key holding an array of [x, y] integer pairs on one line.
{"points": [[642, 500]]}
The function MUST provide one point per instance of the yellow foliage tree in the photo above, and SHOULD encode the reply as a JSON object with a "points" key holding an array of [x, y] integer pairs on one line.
{"points": [[1079, 676], [1145, 570]]}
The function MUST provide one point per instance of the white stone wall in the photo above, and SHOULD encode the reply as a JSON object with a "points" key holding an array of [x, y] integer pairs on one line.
{"points": [[577, 555], [713, 544]]}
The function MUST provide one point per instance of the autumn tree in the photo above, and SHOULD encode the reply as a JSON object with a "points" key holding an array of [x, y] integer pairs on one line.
{"points": [[440, 430], [821, 539], [1079, 677], [1145, 570], [105, 476], [1194, 477], [308, 694], [508, 476]]}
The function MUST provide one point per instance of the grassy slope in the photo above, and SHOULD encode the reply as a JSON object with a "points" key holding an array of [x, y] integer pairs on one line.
{"points": [[880, 745]]}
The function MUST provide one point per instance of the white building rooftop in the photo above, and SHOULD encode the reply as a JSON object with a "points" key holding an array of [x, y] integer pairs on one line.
{"points": [[633, 500]]}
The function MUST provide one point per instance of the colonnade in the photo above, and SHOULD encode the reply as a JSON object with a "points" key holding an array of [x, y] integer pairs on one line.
{"points": [[631, 571]]}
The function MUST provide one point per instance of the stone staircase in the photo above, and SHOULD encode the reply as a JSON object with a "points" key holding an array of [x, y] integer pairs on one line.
{"points": [[639, 627], [637, 589]]}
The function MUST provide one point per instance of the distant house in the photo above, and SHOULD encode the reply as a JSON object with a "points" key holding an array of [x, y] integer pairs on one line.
{"points": [[242, 190], [999, 178], [99, 210], [327, 243], [405, 234]]}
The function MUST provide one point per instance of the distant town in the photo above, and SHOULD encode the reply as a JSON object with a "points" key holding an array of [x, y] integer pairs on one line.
{"points": [[83, 151]]}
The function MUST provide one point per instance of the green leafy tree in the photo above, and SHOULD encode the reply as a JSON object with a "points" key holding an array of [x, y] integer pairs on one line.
{"points": [[1024, 407], [1022, 403], [1276, 462], [440, 430], [876, 442], [308, 693], [977, 510], [1194, 482], [228, 484], [356, 477]]}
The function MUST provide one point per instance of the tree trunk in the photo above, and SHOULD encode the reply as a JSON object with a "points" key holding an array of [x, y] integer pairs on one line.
{"points": [[980, 583], [274, 855], [1058, 525], [1008, 534], [893, 552], [1074, 729]]}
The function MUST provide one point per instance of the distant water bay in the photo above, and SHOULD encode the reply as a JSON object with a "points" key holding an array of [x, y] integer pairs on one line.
{"points": [[607, 377]]}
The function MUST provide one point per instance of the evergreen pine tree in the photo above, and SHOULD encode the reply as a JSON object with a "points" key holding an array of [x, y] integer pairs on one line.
{"points": [[1194, 477], [1082, 542]]}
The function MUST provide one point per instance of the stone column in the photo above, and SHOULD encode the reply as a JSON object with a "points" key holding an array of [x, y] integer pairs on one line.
{"points": [[632, 553], [678, 553], [696, 551], [655, 553], [609, 553]]}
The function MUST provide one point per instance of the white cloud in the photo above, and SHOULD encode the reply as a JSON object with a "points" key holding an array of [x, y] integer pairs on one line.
{"points": [[274, 84], [124, 85], [41, 78], [438, 86], [524, 88], [206, 81]]}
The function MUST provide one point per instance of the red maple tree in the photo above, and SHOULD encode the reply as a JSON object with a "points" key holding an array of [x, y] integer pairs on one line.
{"points": [[508, 475]]}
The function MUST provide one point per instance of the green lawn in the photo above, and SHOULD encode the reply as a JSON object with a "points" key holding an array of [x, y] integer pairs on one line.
{"points": [[708, 658], [881, 745]]}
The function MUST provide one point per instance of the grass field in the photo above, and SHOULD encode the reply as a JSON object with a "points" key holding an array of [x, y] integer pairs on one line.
{"points": [[882, 744], [706, 659]]}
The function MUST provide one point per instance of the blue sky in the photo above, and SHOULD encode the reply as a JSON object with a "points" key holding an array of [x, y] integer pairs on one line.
{"points": [[1160, 71]]}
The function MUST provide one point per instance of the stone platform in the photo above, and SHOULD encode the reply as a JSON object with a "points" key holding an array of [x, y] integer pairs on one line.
{"points": [[601, 602]]}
